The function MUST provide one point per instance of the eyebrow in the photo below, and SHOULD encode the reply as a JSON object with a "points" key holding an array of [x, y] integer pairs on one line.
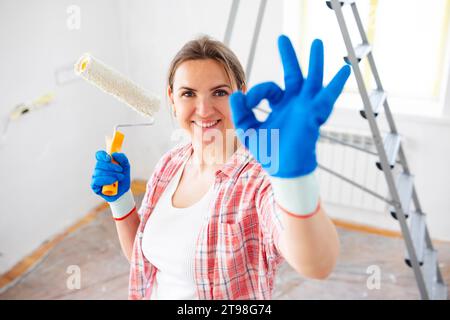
{"points": [[216, 87]]}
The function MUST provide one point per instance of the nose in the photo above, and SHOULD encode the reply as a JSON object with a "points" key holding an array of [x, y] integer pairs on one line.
{"points": [[204, 107]]}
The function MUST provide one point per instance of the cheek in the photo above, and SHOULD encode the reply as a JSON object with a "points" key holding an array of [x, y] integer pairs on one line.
{"points": [[225, 110], [183, 110]]}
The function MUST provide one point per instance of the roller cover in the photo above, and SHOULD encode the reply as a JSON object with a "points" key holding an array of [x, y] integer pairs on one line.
{"points": [[112, 82]]}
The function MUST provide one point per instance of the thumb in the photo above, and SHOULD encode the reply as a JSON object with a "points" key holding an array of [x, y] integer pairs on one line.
{"points": [[242, 115], [121, 159], [103, 156], [266, 90]]}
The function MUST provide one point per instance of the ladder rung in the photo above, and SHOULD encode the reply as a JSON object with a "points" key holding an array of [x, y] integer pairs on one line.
{"points": [[391, 146], [427, 258], [429, 269], [340, 2], [417, 229], [439, 291], [436, 290], [377, 98], [361, 51], [404, 188]]}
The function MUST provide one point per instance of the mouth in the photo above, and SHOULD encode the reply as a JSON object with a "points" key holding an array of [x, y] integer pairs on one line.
{"points": [[205, 125]]}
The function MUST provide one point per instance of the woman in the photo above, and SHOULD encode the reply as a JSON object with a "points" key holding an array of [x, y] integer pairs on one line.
{"points": [[219, 215]]}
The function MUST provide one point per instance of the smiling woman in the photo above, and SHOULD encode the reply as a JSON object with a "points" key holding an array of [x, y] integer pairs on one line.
{"points": [[217, 219]]}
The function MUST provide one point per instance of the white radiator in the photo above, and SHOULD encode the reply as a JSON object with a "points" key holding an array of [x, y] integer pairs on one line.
{"points": [[354, 164]]}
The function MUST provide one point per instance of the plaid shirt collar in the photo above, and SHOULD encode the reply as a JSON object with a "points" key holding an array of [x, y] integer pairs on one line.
{"points": [[234, 165]]}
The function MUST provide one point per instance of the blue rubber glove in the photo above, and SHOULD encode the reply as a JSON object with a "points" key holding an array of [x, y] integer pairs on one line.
{"points": [[298, 111], [106, 173]]}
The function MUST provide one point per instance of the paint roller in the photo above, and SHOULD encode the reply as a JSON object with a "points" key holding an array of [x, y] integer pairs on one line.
{"points": [[116, 84]]}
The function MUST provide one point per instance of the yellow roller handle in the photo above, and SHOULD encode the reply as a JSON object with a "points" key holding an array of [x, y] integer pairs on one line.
{"points": [[113, 145]]}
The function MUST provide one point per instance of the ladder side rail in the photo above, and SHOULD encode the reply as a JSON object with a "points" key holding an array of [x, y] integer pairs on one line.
{"points": [[256, 31], [231, 22]]}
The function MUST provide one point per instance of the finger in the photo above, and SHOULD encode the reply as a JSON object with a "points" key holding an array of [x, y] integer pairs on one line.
{"points": [[102, 155], [101, 173], [108, 166], [265, 90], [293, 77], [243, 117], [328, 96], [336, 85], [314, 81], [121, 159], [96, 188], [104, 180]]}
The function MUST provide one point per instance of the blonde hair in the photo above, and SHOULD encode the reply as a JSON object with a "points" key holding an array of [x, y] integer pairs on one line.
{"points": [[205, 47]]}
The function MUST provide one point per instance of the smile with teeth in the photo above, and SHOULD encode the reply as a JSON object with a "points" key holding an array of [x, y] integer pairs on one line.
{"points": [[206, 124]]}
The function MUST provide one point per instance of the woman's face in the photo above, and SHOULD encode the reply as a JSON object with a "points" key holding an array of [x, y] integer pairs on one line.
{"points": [[201, 89]]}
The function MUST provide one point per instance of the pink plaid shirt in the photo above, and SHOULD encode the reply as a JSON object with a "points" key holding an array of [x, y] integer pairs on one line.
{"points": [[237, 253]]}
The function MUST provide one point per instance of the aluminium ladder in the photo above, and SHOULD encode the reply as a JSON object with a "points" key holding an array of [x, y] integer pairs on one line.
{"points": [[420, 254]]}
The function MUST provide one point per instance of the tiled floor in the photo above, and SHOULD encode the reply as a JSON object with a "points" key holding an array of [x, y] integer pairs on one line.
{"points": [[104, 270]]}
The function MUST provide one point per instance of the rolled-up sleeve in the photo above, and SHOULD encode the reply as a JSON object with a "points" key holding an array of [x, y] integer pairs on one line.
{"points": [[270, 220]]}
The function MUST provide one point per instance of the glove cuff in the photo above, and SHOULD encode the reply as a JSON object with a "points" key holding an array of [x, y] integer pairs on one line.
{"points": [[123, 206], [299, 195]]}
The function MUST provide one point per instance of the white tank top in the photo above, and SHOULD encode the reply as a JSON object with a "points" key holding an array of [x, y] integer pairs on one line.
{"points": [[169, 241]]}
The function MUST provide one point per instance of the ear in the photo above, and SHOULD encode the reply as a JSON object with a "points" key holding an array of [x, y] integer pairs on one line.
{"points": [[170, 95]]}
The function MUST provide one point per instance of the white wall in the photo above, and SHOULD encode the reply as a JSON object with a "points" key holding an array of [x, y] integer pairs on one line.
{"points": [[47, 156]]}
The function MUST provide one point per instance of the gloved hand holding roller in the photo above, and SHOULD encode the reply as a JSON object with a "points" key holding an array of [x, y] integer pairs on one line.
{"points": [[111, 177], [111, 170]]}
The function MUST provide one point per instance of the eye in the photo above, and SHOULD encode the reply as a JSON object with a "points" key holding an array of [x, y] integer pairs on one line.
{"points": [[187, 94], [220, 93]]}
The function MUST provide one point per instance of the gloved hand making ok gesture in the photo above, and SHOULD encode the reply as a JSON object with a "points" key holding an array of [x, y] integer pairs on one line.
{"points": [[298, 111]]}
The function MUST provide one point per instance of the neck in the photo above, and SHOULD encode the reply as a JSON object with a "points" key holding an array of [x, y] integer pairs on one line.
{"points": [[212, 156]]}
